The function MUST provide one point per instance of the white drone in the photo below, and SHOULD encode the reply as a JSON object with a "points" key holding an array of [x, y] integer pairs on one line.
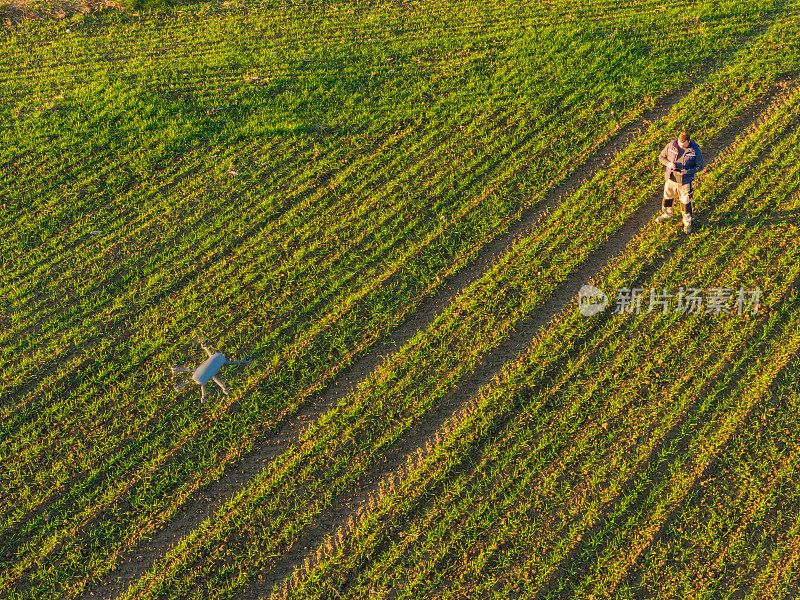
{"points": [[207, 370]]}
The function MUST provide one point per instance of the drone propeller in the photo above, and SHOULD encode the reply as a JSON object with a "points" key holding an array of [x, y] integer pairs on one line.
{"points": [[180, 386], [200, 338]]}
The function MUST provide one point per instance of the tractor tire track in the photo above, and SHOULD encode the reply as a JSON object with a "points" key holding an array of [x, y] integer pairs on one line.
{"points": [[334, 524], [203, 506]]}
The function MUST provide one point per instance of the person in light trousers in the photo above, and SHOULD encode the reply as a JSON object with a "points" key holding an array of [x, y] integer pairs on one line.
{"points": [[683, 160]]}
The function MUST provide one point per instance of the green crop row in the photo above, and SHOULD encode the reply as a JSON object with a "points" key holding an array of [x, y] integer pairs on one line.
{"points": [[348, 440], [530, 478], [96, 452]]}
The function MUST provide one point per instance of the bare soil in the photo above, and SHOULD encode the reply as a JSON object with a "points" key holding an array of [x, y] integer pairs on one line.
{"points": [[14, 12]]}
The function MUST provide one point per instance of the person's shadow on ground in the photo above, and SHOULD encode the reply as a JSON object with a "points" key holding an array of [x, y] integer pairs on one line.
{"points": [[731, 219]]}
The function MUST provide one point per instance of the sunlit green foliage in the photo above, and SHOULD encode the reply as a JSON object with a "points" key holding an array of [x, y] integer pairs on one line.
{"points": [[293, 181]]}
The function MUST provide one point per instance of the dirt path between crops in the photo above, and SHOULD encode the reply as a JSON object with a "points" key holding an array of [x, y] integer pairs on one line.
{"points": [[138, 562], [335, 523]]}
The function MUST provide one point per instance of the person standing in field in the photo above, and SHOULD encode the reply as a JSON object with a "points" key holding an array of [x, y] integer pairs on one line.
{"points": [[683, 160]]}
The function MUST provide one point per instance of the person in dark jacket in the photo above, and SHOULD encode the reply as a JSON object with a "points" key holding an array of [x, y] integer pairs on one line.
{"points": [[683, 160]]}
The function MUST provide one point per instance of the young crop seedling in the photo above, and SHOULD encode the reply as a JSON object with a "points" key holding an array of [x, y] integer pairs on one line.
{"points": [[207, 371]]}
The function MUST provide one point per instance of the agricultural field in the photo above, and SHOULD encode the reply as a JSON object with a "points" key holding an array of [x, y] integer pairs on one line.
{"points": [[391, 207]]}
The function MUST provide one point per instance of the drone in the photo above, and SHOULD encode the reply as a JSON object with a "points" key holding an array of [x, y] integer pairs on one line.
{"points": [[207, 371]]}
